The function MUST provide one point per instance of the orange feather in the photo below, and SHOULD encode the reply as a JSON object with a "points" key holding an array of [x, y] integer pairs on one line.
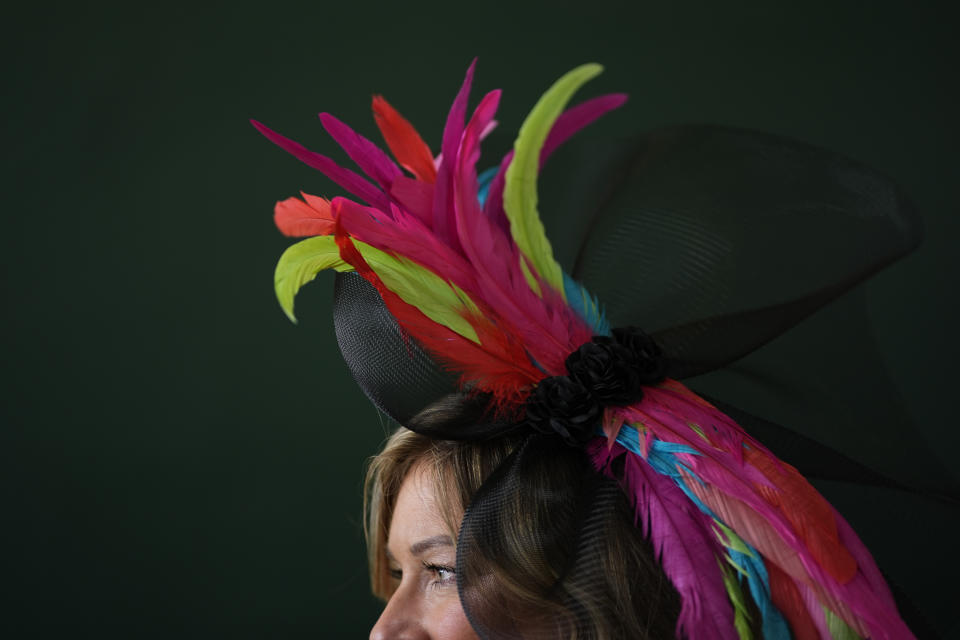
{"points": [[302, 218], [809, 513]]}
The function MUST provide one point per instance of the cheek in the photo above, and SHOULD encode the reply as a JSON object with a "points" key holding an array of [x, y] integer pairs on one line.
{"points": [[448, 621]]}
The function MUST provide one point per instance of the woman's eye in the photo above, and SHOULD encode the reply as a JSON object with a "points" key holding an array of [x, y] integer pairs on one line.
{"points": [[444, 575], [396, 574]]}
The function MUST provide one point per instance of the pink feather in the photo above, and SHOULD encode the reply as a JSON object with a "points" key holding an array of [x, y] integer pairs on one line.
{"points": [[444, 224], [576, 118], [570, 122], [368, 156], [347, 179], [415, 196], [682, 539]]}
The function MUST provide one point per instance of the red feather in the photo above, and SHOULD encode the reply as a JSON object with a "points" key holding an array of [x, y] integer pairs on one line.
{"points": [[809, 513], [405, 143], [786, 598]]}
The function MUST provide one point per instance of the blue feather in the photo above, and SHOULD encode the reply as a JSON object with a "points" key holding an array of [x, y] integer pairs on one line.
{"points": [[483, 184], [774, 626], [586, 305]]}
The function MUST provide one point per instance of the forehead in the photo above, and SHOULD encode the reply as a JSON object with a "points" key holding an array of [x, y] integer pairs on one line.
{"points": [[416, 514]]}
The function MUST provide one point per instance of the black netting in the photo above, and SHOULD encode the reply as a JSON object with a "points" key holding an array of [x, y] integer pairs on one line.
{"points": [[393, 371], [548, 549], [720, 239]]}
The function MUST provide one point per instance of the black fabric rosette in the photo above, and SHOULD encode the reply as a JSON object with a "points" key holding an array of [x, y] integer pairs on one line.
{"points": [[605, 372]]}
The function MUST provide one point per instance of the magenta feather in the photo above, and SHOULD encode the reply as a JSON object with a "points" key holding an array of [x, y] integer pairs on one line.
{"points": [[368, 156], [866, 563], [444, 224], [576, 118], [414, 196], [682, 539], [866, 597], [347, 179]]}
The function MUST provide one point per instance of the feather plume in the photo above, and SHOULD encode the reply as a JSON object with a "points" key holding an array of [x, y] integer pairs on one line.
{"points": [[729, 482], [549, 332], [406, 236], [498, 365]]}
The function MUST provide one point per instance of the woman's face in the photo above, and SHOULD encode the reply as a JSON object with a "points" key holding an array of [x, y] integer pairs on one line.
{"points": [[422, 560]]}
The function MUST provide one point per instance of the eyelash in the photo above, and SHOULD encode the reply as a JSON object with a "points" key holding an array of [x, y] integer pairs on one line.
{"points": [[435, 569]]}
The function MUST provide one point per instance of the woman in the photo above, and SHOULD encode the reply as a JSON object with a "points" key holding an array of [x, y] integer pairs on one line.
{"points": [[600, 496], [417, 491]]}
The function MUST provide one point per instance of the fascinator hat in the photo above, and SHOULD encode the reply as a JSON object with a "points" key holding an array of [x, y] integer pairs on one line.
{"points": [[457, 321]]}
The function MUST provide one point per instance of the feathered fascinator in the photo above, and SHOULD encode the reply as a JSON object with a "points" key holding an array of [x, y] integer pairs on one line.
{"points": [[458, 322]]}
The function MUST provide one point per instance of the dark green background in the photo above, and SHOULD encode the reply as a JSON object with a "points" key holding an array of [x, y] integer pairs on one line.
{"points": [[178, 460]]}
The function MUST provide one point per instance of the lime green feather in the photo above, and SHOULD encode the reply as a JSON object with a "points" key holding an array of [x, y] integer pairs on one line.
{"points": [[741, 617], [440, 301], [520, 189], [839, 630], [300, 264], [731, 540]]}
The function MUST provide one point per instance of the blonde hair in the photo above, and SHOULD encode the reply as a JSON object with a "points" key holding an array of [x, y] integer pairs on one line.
{"points": [[633, 600], [458, 471]]}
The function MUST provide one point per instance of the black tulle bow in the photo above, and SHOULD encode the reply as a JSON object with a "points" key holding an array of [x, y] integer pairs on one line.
{"points": [[608, 371]]}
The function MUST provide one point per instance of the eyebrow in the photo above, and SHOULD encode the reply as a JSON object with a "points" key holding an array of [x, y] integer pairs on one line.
{"points": [[417, 548]]}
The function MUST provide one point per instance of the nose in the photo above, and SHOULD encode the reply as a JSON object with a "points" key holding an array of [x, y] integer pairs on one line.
{"points": [[400, 619]]}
